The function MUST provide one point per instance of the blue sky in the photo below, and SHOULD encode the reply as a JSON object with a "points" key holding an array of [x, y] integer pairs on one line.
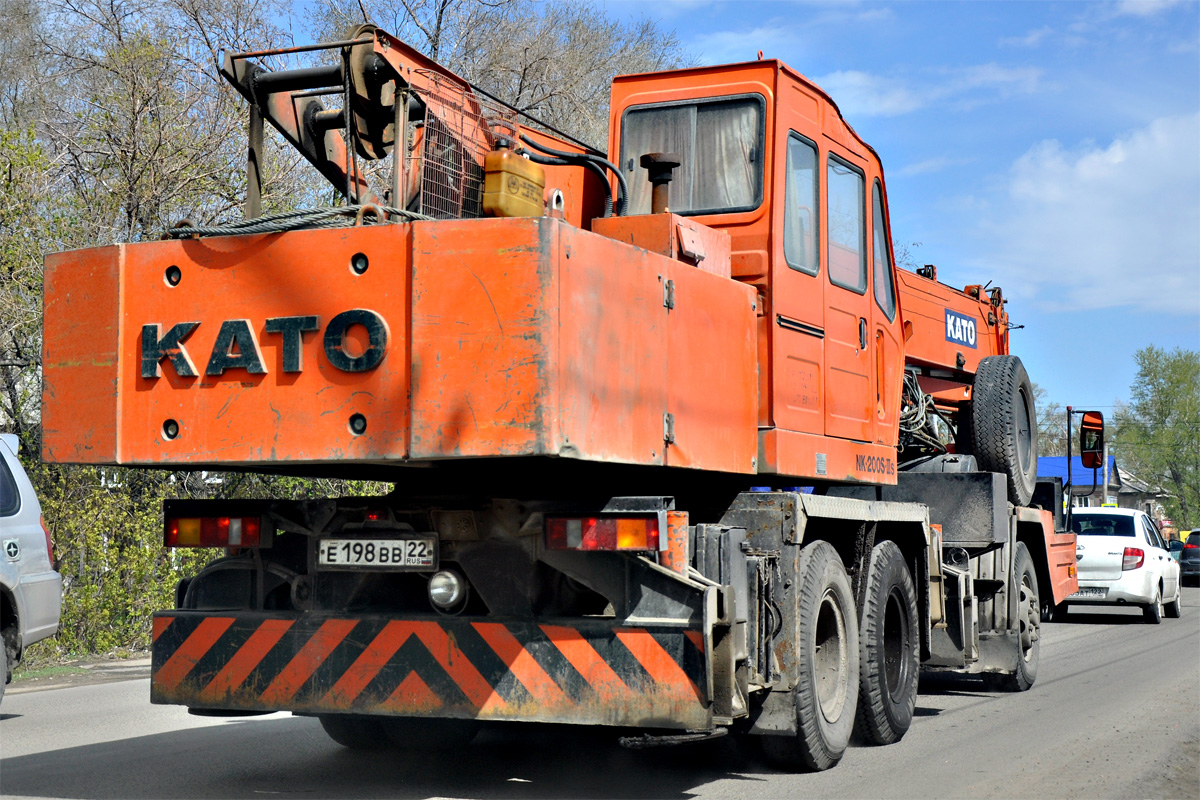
{"points": [[1051, 148]]}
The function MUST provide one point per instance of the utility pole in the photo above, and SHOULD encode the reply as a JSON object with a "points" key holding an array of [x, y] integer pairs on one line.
{"points": [[1104, 497]]}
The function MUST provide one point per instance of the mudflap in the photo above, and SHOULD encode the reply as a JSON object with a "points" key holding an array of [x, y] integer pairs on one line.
{"points": [[576, 671]]}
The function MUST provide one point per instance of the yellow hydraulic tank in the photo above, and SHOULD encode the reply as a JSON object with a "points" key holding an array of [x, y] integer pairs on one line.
{"points": [[512, 185]]}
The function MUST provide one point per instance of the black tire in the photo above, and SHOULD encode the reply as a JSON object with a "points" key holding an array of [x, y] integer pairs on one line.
{"points": [[1052, 612], [1029, 628], [355, 731], [826, 692], [3, 668], [417, 733], [888, 655], [1004, 425], [1172, 608], [1153, 611]]}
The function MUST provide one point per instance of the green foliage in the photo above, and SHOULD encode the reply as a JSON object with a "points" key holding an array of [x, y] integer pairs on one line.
{"points": [[1158, 434], [106, 524], [109, 549]]}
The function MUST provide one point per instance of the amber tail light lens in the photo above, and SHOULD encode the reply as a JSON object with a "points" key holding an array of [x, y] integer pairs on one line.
{"points": [[602, 533], [212, 531]]}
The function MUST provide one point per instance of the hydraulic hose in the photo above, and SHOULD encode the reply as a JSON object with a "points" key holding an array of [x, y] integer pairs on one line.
{"points": [[622, 187], [537, 158]]}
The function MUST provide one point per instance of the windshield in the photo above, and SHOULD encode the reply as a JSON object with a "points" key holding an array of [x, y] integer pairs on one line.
{"points": [[1101, 525], [719, 143]]}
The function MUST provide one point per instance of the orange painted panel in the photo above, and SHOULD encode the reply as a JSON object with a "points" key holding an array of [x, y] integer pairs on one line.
{"points": [[804, 455], [614, 346], [484, 355], [924, 303], [672, 236], [268, 406], [1060, 553], [712, 372], [80, 351]]}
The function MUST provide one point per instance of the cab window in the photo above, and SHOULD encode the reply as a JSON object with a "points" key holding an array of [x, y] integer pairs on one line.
{"points": [[846, 231], [800, 239], [885, 291], [720, 145]]}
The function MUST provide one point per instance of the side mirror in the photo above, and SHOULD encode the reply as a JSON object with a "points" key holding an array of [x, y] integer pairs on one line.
{"points": [[1091, 439]]}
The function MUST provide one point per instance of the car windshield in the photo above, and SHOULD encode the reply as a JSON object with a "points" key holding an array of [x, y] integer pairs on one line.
{"points": [[1101, 525], [719, 143]]}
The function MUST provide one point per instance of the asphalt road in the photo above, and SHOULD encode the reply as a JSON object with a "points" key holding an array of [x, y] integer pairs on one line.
{"points": [[1115, 713]]}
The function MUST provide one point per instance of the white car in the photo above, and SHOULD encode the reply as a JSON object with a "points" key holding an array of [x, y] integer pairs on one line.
{"points": [[1122, 559], [30, 589]]}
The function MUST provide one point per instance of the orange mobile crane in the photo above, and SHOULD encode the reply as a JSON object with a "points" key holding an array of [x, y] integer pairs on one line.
{"points": [[674, 444]]}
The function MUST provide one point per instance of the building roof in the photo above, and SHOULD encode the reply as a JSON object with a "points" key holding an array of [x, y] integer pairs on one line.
{"points": [[1120, 479], [1056, 467]]}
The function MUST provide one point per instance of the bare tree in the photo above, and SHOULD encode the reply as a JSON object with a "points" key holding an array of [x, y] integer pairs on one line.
{"points": [[554, 60], [1052, 424]]}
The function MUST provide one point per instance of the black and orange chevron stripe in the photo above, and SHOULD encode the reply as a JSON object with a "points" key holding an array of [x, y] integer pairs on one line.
{"points": [[588, 672]]}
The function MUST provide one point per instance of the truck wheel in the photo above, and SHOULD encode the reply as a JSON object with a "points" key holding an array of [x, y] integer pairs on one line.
{"points": [[887, 657], [354, 731], [1153, 611], [1028, 628], [1004, 424], [826, 691], [418, 733]]}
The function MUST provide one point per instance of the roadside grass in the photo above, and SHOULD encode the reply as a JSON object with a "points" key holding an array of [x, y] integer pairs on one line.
{"points": [[43, 660], [24, 674]]}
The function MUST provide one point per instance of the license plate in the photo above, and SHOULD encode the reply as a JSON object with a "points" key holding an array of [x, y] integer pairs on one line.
{"points": [[1093, 591], [412, 553]]}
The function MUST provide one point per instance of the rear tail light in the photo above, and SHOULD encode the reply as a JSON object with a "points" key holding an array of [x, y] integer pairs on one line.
{"points": [[602, 533], [212, 532], [50, 544], [1132, 558], [1191, 545]]}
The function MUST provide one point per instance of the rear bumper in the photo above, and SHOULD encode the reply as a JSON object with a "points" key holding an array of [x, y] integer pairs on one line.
{"points": [[39, 605], [578, 671], [1135, 587]]}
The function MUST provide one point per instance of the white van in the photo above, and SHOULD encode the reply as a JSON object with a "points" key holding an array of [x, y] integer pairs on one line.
{"points": [[30, 589]]}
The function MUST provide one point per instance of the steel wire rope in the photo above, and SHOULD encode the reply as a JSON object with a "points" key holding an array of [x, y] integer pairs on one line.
{"points": [[342, 217]]}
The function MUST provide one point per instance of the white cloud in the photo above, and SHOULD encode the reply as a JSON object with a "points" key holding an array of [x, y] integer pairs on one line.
{"points": [[929, 166], [1144, 8], [861, 94], [1103, 226], [1031, 39], [726, 47]]}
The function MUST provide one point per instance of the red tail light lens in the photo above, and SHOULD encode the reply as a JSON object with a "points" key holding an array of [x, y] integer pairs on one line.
{"points": [[1133, 558], [212, 532], [1190, 545], [602, 533], [50, 544]]}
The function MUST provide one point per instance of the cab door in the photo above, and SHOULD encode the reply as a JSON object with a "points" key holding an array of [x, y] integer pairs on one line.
{"points": [[886, 333], [849, 389], [798, 315]]}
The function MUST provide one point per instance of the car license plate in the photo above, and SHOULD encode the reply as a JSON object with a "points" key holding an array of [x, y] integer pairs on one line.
{"points": [[1091, 591], [411, 553]]}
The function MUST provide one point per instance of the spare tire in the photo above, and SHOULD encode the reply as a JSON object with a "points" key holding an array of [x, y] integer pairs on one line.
{"points": [[1003, 425]]}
